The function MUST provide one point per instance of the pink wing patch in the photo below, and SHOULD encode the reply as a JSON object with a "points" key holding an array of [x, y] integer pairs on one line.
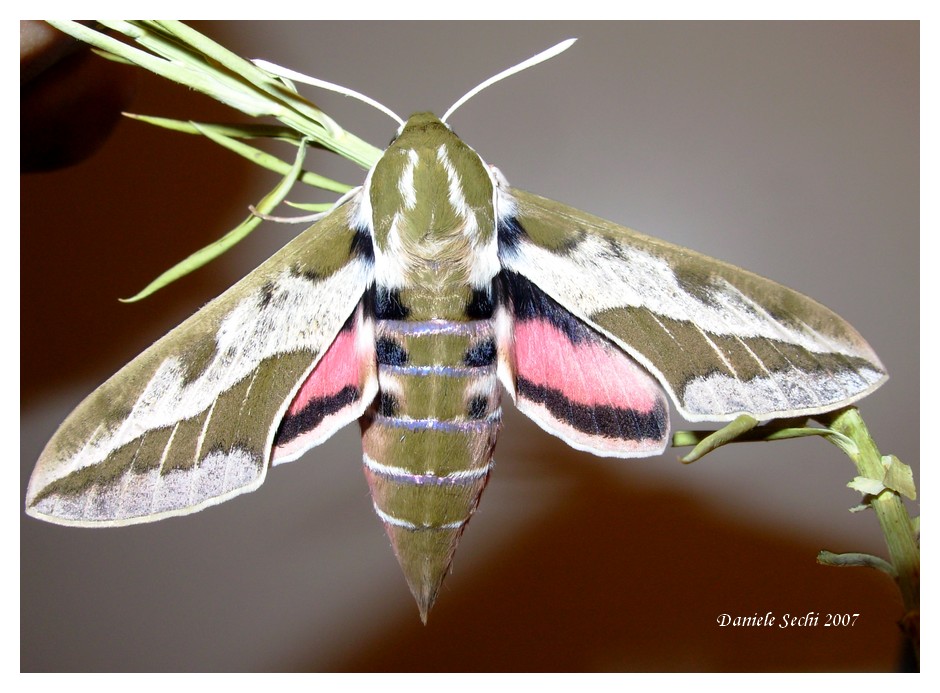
{"points": [[578, 385], [337, 391]]}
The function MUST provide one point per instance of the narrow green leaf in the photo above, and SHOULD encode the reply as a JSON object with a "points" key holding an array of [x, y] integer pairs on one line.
{"points": [[301, 113], [225, 134], [216, 52], [714, 440], [179, 44], [854, 560], [184, 72], [310, 206], [110, 56], [742, 430], [213, 250], [239, 130], [269, 161]]}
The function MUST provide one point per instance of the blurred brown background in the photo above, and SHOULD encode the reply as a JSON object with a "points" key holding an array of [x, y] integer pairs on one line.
{"points": [[787, 148]]}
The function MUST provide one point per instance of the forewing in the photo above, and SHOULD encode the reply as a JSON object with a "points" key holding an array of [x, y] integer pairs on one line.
{"points": [[190, 422], [723, 341]]}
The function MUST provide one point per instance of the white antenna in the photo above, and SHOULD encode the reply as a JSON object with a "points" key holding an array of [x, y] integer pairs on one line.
{"points": [[323, 84], [534, 60]]}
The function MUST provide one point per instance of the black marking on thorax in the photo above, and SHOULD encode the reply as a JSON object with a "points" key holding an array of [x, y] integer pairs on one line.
{"points": [[388, 305], [482, 303], [509, 234], [361, 245]]}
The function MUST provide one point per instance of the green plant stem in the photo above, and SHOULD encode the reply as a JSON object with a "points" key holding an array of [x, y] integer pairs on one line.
{"points": [[896, 524]]}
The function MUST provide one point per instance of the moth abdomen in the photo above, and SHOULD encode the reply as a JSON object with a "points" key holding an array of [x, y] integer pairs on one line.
{"points": [[428, 442]]}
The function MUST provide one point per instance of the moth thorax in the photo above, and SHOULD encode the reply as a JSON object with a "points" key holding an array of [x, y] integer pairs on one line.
{"points": [[431, 194]]}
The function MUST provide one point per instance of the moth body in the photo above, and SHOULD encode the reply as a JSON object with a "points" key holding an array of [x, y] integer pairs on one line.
{"points": [[428, 438]]}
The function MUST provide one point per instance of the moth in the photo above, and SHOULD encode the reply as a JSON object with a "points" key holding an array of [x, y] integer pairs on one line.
{"points": [[407, 308]]}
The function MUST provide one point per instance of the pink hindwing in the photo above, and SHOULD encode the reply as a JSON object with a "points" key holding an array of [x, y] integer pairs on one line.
{"points": [[577, 385], [335, 393]]}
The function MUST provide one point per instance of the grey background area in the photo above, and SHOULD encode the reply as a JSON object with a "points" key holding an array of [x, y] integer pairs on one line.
{"points": [[787, 148]]}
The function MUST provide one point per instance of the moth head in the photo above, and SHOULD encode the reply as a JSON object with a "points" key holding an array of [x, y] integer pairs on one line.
{"points": [[422, 130]]}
